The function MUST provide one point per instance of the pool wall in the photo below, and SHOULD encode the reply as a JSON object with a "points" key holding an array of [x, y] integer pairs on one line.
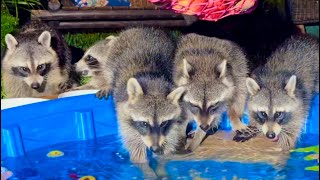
{"points": [[37, 125]]}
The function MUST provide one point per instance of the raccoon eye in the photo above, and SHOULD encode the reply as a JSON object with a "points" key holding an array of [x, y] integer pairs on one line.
{"points": [[194, 108], [144, 124], [164, 124], [90, 58], [24, 69], [213, 108], [279, 116], [41, 67], [262, 115]]}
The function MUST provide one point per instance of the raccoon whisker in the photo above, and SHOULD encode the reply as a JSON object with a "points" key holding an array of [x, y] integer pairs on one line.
{"points": [[287, 132], [284, 141]]}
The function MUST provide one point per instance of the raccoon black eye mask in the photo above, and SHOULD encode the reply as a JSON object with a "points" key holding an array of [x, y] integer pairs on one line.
{"points": [[145, 128], [210, 110], [280, 117], [42, 69], [92, 62]]}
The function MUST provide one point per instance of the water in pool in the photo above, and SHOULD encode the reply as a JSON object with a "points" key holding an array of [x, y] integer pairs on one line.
{"points": [[104, 159]]}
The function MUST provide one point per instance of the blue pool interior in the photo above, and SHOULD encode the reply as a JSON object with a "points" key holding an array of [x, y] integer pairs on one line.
{"points": [[85, 129]]}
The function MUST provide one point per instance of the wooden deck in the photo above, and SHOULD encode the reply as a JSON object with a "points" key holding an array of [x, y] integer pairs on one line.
{"points": [[108, 18]]}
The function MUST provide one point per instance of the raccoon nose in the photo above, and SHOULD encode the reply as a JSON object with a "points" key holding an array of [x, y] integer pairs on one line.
{"points": [[155, 149], [204, 127], [270, 135], [35, 85]]}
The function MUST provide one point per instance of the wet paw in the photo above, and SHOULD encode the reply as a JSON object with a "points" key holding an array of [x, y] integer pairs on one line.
{"points": [[102, 94], [239, 126], [64, 87], [246, 134]]}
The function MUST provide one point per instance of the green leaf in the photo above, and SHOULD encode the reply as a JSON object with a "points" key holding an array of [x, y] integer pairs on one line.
{"points": [[312, 168], [307, 149]]}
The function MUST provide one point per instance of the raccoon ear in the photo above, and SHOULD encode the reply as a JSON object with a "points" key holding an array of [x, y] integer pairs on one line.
{"points": [[222, 68], [176, 94], [186, 68], [252, 86], [291, 85], [45, 39], [11, 42], [134, 89]]}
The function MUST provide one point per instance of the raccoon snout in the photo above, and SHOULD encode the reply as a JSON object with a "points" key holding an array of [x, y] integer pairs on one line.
{"points": [[270, 135], [156, 149], [35, 85], [205, 128], [84, 73]]}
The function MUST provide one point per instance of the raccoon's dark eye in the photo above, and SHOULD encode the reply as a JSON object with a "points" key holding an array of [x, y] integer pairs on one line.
{"points": [[144, 124], [262, 116], [165, 126], [213, 108], [41, 67], [279, 116], [25, 69], [165, 123], [194, 108], [90, 58]]}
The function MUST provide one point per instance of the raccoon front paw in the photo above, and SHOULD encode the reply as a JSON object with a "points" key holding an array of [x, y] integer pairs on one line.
{"points": [[102, 94], [239, 126], [246, 134], [64, 87]]}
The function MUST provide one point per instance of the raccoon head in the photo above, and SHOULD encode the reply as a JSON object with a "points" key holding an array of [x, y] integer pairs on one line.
{"points": [[207, 97], [276, 111], [156, 118], [31, 61], [94, 58]]}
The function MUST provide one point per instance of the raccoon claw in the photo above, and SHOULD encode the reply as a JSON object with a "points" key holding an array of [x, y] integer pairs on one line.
{"points": [[191, 135], [246, 134], [102, 94], [64, 87]]}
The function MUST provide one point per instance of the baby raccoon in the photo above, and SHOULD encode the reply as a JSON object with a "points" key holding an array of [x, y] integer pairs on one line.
{"points": [[37, 62], [281, 90], [148, 107], [92, 62], [213, 71]]}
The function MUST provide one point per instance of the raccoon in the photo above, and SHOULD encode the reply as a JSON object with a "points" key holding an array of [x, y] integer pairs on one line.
{"points": [[90, 65], [37, 62], [147, 104], [214, 72], [281, 90]]}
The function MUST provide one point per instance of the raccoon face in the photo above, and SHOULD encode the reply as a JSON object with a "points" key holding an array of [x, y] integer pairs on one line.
{"points": [[154, 118], [31, 61], [94, 57], [273, 110], [207, 98], [87, 65]]}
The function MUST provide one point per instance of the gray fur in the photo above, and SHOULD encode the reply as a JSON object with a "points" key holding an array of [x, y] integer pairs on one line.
{"points": [[296, 59], [34, 45], [212, 70], [100, 53], [138, 74]]}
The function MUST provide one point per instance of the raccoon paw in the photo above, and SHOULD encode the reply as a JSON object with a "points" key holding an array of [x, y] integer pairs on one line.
{"points": [[239, 126], [64, 87], [246, 134], [102, 94]]}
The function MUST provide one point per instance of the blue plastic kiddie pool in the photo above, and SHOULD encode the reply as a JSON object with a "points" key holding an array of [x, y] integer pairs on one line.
{"points": [[76, 137]]}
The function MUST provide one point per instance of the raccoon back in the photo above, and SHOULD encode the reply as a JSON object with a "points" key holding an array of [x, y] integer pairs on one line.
{"points": [[298, 55], [141, 51], [205, 53]]}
